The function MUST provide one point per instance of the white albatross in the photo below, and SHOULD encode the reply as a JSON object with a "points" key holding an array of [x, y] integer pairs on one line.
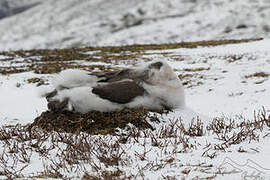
{"points": [[153, 85]]}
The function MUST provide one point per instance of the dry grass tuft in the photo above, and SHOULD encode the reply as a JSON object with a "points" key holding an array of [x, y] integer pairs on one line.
{"points": [[229, 132], [196, 69], [258, 74]]}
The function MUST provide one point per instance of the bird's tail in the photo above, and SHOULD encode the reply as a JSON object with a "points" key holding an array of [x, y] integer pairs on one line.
{"points": [[43, 92]]}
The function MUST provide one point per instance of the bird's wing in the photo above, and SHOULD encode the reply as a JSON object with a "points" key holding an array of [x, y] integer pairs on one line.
{"points": [[113, 76], [121, 92]]}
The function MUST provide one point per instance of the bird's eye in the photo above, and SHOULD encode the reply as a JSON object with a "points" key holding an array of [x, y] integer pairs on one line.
{"points": [[156, 65]]}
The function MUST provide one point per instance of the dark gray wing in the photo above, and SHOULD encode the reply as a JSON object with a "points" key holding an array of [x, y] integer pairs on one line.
{"points": [[113, 76], [120, 75], [121, 92]]}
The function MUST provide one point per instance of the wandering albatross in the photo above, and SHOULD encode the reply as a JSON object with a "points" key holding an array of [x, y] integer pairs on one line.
{"points": [[153, 85]]}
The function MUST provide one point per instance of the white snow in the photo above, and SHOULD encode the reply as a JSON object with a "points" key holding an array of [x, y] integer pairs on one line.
{"points": [[224, 90], [231, 93], [19, 101]]}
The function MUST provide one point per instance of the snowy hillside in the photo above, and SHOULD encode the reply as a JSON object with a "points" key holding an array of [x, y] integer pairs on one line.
{"points": [[70, 23], [227, 92], [14, 7]]}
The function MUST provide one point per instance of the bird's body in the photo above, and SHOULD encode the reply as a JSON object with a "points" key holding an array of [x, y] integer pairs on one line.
{"points": [[153, 85]]}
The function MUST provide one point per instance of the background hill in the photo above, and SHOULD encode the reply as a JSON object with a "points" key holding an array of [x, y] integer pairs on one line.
{"points": [[70, 23]]}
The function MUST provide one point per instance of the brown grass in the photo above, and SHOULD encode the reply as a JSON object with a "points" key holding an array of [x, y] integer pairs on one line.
{"points": [[48, 61], [93, 122], [258, 74]]}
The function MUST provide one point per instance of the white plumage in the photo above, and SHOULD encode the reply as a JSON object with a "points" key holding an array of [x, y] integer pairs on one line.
{"points": [[72, 78], [152, 85]]}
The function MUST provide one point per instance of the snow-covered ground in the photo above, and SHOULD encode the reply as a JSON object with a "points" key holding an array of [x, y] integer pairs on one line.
{"points": [[70, 23], [229, 81]]}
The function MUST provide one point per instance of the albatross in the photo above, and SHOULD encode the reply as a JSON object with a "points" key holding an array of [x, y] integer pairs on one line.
{"points": [[152, 85]]}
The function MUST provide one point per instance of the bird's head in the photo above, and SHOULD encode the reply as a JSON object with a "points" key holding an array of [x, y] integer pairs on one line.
{"points": [[160, 72]]}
